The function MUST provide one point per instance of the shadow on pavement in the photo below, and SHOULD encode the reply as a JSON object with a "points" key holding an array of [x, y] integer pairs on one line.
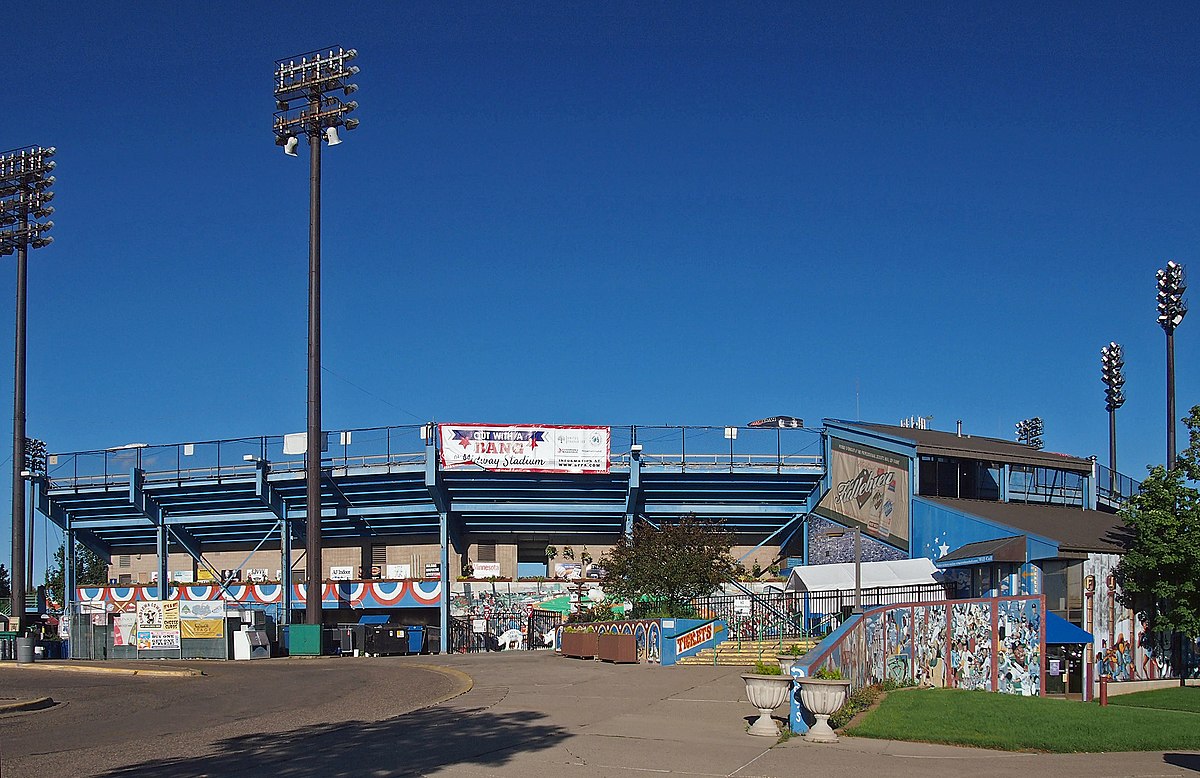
{"points": [[1186, 761], [413, 743]]}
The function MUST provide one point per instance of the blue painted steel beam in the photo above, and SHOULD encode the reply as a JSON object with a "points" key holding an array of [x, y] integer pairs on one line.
{"points": [[634, 493]]}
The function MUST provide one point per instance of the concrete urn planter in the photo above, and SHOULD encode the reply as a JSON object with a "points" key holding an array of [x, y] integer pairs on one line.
{"points": [[822, 698], [786, 661], [766, 692]]}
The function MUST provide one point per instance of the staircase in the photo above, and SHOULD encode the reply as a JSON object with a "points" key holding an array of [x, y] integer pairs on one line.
{"points": [[745, 653]]}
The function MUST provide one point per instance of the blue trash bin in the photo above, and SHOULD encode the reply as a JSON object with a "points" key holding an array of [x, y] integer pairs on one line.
{"points": [[416, 639]]}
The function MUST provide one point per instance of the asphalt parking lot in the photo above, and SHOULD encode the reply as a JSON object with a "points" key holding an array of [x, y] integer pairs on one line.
{"points": [[524, 714]]}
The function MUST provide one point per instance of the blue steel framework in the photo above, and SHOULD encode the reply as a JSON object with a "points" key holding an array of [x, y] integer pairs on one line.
{"points": [[386, 482]]}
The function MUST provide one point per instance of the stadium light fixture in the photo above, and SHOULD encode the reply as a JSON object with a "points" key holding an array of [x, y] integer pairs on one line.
{"points": [[1172, 283], [1112, 373], [1029, 432], [25, 183], [304, 87]]}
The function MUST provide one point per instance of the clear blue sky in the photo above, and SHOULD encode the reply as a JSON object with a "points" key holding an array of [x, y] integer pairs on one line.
{"points": [[612, 213]]}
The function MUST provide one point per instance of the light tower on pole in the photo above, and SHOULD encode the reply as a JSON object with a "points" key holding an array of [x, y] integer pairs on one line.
{"points": [[25, 209], [1172, 283], [1029, 432], [306, 106], [1112, 373]]}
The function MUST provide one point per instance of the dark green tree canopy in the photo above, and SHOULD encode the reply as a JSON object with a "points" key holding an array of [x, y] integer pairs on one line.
{"points": [[90, 570], [670, 565], [1159, 575]]}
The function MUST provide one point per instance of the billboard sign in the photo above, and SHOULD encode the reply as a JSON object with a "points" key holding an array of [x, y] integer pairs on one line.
{"points": [[868, 489], [525, 448]]}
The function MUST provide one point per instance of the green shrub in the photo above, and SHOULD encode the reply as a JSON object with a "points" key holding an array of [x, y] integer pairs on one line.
{"points": [[829, 674], [794, 650], [861, 699], [762, 668]]}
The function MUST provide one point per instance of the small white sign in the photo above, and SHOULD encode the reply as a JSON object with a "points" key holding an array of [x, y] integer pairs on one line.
{"points": [[399, 572], [486, 569], [742, 606], [479, 626], [343, 573], [256, 574]]}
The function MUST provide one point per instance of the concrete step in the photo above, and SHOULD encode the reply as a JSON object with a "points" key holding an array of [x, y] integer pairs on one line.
{"points": [[731, 654]]}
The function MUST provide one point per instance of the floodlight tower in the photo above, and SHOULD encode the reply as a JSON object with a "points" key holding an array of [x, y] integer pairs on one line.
{"points": [[1172, 283], [25, 195], [1112, 373], [306, 106], [1029, 432]]}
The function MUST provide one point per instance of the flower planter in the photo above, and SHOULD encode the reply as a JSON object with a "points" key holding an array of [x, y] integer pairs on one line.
{"points": [[786, 661], [611, 647], [766, 692], [822, 698], [583, 645]]}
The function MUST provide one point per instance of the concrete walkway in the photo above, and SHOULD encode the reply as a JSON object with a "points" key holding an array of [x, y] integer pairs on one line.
{"points": [[527, 714]]}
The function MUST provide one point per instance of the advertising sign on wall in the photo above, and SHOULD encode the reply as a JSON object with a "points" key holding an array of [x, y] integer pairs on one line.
{"points": [[399, 572], [124, 629], [341, 573], [157, 639], [868, 489], [528, 449], [486, 569]]}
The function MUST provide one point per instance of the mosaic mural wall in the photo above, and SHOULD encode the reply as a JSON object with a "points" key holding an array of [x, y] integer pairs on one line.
{"points": [[1019, 647], [971, 645], [647, 633], [929, 645], [993, 644], [1124, 649], [823, 549]]}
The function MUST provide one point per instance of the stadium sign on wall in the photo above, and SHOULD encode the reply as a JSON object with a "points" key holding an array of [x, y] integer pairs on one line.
{"points": [[526, 449], [868, 489]]}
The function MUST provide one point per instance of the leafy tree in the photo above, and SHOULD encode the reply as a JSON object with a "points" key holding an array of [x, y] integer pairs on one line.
{"points": [[670, 565], [5, 583], [90, 570], [1159, 575]]}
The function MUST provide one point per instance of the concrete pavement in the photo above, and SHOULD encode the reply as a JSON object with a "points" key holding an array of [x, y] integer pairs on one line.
{"points": [[527, 714]]}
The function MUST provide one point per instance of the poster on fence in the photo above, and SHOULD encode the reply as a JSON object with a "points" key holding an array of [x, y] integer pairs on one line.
{"points": [[158, 614], [124, 629], [525, 448], [203, 619], [157, 639]]}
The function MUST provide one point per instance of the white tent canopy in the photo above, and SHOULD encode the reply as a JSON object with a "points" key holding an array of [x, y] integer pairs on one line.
{"points": [[840, 577]]}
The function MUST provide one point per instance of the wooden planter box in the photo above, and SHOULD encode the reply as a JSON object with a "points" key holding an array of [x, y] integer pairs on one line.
{"points": [[579, 644], [617, 648]]}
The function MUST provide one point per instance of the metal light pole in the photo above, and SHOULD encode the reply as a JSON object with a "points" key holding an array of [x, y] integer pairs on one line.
{"points": [[35, 466], [25, 195], [1112, 366], [1172, 283], [306, 81], [1029, 432]]}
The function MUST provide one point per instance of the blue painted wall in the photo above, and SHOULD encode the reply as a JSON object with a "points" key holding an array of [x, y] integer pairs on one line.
{"points": [[938, 530]]}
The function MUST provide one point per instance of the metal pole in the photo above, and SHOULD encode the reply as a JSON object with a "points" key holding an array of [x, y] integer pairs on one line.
{"points": [[17, 574], [1112, 451], [312, 472], [29, 541], [1171, 399], [858, 570]]}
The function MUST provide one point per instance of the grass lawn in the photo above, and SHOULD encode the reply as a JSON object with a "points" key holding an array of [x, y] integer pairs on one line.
{"points": [[1012, 723], [1174, 698]]}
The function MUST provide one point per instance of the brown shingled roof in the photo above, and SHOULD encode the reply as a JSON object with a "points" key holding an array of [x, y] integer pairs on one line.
{"points": [[938, 443], [1074, 529]]}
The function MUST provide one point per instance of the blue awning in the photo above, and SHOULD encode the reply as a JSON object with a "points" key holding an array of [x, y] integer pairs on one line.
{"points": [[1060, 631], [373, 619]]}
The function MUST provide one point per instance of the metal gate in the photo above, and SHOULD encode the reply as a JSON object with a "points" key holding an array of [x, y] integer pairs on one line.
{"points": [[541, 623]]}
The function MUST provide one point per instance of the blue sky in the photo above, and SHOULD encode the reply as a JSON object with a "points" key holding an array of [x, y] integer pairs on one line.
{"points": [[612, 213]]}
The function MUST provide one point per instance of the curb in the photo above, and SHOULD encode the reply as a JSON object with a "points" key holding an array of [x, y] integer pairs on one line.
{"points": [[186, 672], [465, 682], [37, 703]]}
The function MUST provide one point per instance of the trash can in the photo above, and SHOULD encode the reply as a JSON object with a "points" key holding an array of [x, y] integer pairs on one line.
{"points": [[25, 650], [416, 639]]}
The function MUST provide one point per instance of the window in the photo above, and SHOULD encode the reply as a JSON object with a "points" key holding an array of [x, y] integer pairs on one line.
{"points": [[378, 555], [123, 560], [486, 552]]}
